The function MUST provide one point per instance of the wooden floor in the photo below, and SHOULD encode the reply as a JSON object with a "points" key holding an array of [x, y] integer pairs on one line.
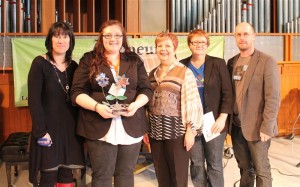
{"points": [[284, 155]]}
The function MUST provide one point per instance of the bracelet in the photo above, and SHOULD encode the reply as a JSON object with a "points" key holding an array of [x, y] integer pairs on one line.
{"points": [[95, 107]]}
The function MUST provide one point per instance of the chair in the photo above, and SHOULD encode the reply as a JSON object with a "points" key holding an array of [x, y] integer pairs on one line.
{"points": [[15, 153]]}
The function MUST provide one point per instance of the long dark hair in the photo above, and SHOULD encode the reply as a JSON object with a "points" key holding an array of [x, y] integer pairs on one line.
{"points": [[99, 50], [60, 28]]}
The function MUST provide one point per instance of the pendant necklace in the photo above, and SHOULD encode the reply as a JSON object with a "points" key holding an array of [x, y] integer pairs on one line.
{"points": [[65, 88]]}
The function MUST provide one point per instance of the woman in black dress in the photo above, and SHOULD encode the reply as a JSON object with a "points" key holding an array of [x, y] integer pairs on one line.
{"points": [[55, 148]]}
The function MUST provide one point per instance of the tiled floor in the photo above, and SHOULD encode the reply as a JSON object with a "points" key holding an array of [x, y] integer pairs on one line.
{"points": [[284, 155]]}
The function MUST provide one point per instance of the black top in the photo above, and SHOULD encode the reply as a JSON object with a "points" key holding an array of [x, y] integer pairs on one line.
{"points": [[52, 114]]}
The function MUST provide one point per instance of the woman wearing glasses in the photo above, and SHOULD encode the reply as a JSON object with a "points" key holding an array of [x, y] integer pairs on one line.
{"points": [[214, 87], [175, 113], [113, 137]]}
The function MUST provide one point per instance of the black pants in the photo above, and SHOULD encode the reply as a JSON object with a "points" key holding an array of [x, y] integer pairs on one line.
{"points": [[109, 161], [171, 162]]}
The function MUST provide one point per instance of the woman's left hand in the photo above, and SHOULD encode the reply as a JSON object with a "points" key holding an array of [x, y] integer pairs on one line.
{"points": [[140, 101], [131, 109], [219, 124], [189, 139]]}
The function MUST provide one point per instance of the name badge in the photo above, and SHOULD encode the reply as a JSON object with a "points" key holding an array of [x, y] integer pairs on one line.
{"points": [[237, 77]]}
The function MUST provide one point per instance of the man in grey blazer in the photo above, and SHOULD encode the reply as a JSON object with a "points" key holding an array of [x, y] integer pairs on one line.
{"points": [[256, 87]]}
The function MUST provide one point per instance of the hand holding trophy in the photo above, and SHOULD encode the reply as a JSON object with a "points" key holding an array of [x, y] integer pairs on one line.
{"points": [[116, 92]]}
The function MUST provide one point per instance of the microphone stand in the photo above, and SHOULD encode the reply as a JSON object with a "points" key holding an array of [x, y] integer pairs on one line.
{"points": [[291, 136]]}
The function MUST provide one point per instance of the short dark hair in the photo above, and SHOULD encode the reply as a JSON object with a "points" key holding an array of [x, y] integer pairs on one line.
{"points": [[60, 28]]}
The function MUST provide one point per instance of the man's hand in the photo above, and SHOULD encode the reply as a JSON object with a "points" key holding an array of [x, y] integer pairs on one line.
{"points": [[264, 137]]}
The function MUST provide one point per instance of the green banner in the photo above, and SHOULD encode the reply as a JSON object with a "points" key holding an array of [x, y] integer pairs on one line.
{"points": [[145, 47], [24, 50]]}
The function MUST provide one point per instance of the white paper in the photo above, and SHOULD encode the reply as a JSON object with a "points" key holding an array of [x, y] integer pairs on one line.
{"points": [[208, 121]]}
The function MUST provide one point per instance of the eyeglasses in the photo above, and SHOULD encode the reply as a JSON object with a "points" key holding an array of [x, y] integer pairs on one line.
{"points": [[109, 36], [196, 43]]}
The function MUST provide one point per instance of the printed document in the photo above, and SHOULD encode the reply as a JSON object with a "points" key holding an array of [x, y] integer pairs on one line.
{"points": [[208, 121]]}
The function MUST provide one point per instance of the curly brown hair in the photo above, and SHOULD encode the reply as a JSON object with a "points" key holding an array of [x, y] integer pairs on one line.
{"points": [[99, 50]]}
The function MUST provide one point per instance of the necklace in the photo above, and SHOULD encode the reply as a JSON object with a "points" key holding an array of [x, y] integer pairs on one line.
{"points": [[65, 88], [117, 62], [116, 68]]}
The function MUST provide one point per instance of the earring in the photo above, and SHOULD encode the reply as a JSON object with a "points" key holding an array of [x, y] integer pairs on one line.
{"points": [[122, 50]]}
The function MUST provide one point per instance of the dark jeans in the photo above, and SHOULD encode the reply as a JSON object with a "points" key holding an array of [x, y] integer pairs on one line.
{"points": [[109, 161], [212, 153], [62, 175], [171, 162], [252, 159]]}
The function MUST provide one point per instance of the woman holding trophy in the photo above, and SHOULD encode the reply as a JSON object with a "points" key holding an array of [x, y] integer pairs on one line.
{"points": [[111, 85]]}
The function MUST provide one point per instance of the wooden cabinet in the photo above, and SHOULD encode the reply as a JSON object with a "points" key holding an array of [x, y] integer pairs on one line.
{"points": [[36, 16], [290, 97], [12, 119]]}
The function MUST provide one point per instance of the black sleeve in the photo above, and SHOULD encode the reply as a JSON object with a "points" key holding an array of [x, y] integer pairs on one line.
{"points": [[35, 86], [81, 82], [226, 88]]}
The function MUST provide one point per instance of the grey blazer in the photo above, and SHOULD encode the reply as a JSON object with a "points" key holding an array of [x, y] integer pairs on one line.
{"points": [[261, 96]]}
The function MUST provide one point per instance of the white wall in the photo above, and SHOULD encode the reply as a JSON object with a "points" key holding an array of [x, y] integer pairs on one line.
{"points": [[153, 15]]}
